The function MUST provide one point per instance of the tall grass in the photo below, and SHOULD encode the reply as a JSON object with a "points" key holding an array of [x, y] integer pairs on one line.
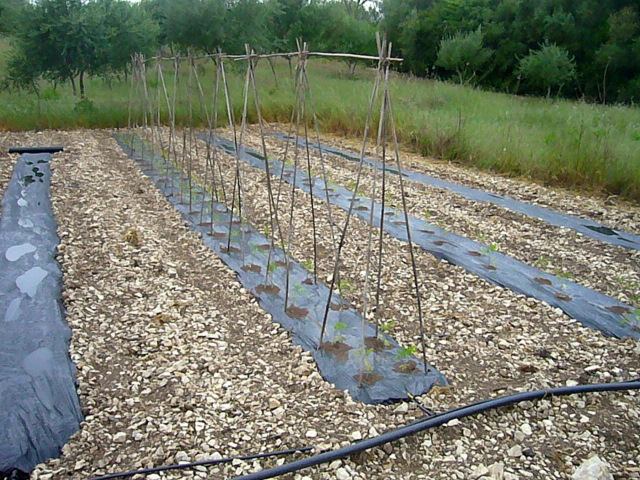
{"points": [[556, 142]]}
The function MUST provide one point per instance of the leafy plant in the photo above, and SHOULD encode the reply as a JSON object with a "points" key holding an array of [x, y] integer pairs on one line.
{"points": [[562, 274], [549, 67], [345, 286], [543, 262], [464, 54], [406, 352], [491, 248], [366, 355], [388, 326]]}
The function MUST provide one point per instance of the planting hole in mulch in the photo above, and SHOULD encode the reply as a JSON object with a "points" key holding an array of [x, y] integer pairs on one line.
{"points": [[268, 289], [376, 344], [563, 297], [368, 378], [231, 249], [619, 310], [405, 366], [252, 267], [339, 349], [296, 312], [439, 243], [339, 306], [543, 281], [474, 253]]}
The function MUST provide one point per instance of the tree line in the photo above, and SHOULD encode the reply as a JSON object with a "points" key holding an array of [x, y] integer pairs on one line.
{"points": [[576, 48], [579, 48]]}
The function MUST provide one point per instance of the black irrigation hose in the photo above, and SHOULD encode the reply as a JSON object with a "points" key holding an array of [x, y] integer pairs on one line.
{"points": [[435, 421], [205, 463]]}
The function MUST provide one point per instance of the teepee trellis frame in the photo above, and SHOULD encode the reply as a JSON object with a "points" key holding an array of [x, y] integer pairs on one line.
{"points": [[143, 112]]}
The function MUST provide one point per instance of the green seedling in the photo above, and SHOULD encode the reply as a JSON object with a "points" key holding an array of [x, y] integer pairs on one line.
{"points": [[490, 249], [543, 262], [271, 267], [388, 326], [338, 328], [562, 274], [406, 352], [345, 286], [366, 355], [308, 264]]}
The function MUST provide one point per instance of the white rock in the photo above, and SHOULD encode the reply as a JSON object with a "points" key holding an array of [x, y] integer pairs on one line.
{"points": [[496, 471], [592, 469], [181, 457], [515, 451], [526, 429], [120, 437], [480, 471], [311, 434], [342, 474]]}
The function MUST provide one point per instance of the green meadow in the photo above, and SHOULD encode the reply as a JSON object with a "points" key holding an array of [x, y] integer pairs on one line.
{"points": [[556, 142]]}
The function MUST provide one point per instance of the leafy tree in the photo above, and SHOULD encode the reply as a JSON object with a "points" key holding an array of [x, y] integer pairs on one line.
{"points": [[619, 58], [332, 27], [10, 15], [464, 54], [248, 21], [198, 24], [67, 40], [549, 67]]}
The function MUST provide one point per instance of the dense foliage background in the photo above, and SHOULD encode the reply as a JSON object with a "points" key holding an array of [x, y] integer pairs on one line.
{"points": [[574, 48]]}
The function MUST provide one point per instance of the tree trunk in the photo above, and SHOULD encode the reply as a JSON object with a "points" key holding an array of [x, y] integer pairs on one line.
{"points": [[275, 77], [81, 82], [73, 86]]}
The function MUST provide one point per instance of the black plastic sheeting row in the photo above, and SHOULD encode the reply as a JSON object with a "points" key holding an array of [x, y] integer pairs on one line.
{"points": [[586, 227], [39, 407], [591, 308], [375, 374]]}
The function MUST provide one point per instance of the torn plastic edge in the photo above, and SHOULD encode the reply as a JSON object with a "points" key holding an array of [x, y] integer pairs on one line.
{"points": [[388, 373]]}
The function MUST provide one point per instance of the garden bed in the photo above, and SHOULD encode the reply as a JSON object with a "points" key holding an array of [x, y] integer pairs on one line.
{"points": [[177, 361]]}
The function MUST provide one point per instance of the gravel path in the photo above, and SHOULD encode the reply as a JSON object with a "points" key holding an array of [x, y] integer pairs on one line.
{"points": [[176, 361]]}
